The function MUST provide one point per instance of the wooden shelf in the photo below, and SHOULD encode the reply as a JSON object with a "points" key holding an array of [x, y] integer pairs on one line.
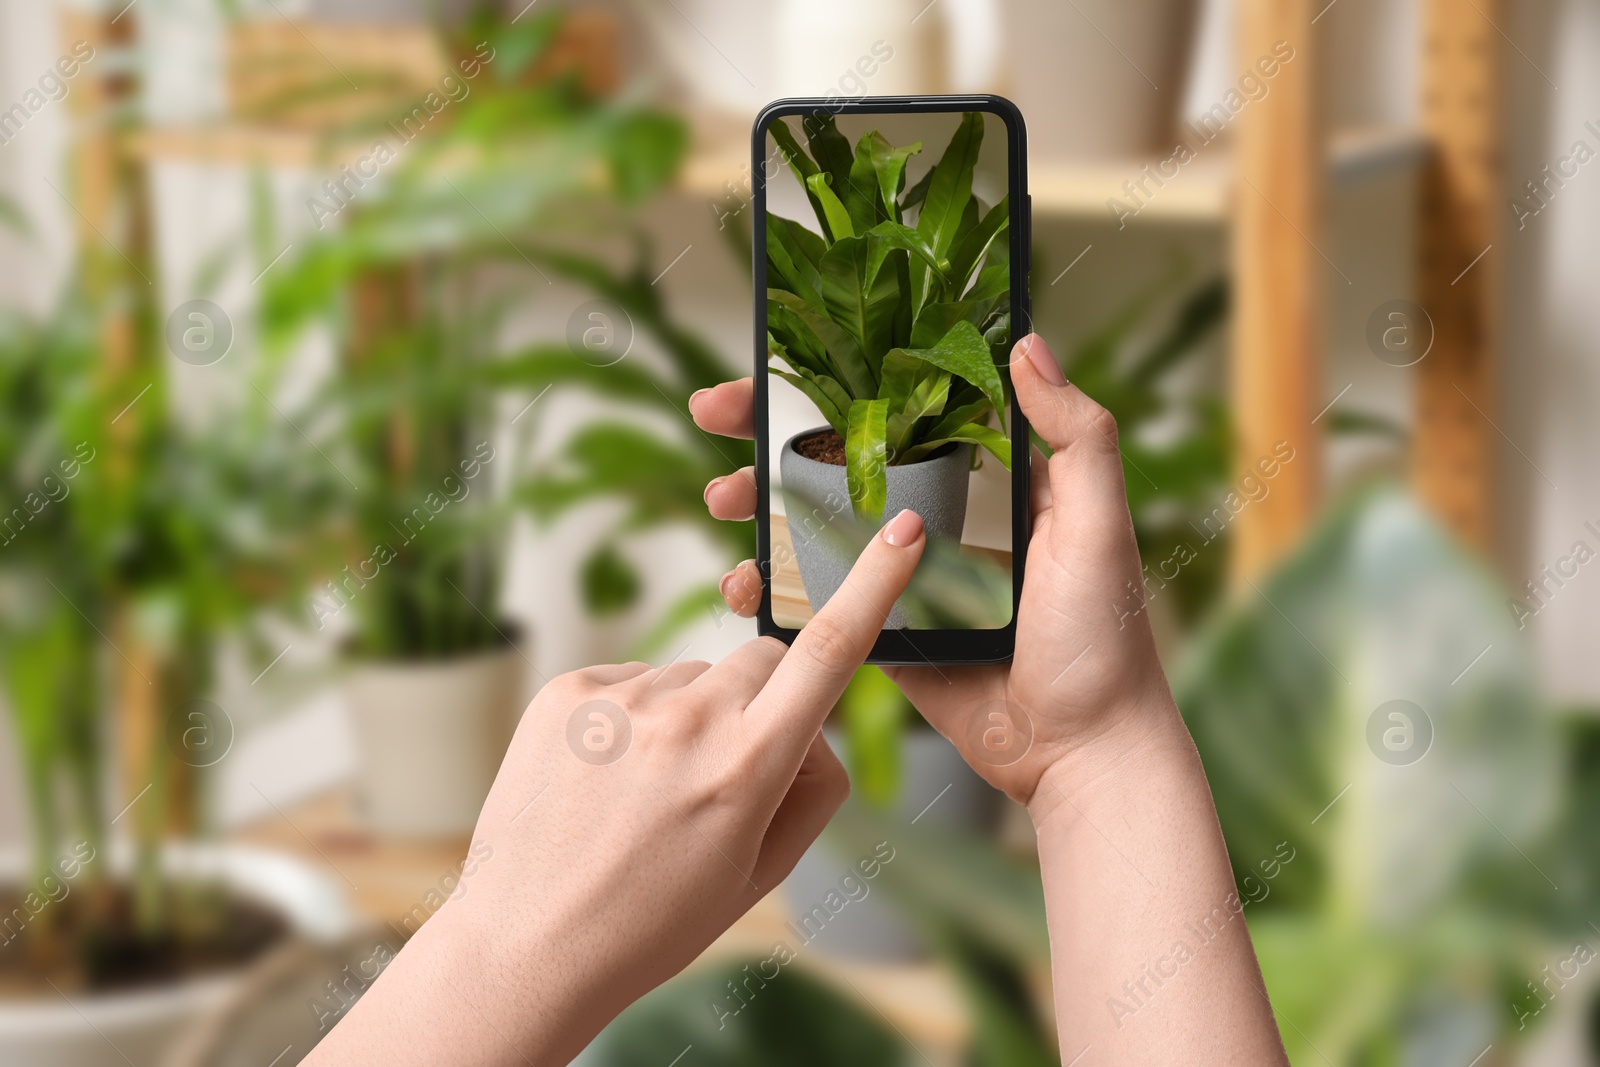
{"points": [[1200, 194]]}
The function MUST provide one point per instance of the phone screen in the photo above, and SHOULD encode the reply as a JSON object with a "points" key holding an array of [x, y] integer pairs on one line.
{"points": [[890, 311]]}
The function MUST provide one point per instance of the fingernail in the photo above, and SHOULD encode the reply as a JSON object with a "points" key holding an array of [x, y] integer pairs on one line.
{"points": [[712, 484], [696, 395], [727, 580], [903, 529], [1043, 361]]}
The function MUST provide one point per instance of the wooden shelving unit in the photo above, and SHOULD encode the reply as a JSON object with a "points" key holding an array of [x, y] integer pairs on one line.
{"points": [[1281, 278], [1460, 284]]}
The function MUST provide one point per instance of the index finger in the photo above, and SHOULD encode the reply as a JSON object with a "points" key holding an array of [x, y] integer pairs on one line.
{"points": [[726, 410], [791, 707]]}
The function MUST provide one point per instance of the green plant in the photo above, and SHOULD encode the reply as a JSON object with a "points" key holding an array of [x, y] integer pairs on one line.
{"points": [[134, 542], [893, 330], [415, 399], [1422, 895], [49, 647]]}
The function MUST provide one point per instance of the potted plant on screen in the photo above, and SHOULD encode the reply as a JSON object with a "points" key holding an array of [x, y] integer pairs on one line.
{"points": [[889, 315]]}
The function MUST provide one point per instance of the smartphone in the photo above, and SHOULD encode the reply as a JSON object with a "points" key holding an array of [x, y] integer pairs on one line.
{"points": [[891, 258]]}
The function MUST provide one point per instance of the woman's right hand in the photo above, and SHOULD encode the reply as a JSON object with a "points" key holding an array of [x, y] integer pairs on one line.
{"points": [[1084, 691]]}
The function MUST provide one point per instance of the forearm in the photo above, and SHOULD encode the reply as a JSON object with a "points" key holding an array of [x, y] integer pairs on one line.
{"points": [[457, 994], [1152, 959]]}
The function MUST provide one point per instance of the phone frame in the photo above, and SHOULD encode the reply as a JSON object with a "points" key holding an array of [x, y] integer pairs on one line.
{"points": [[907, 647]]}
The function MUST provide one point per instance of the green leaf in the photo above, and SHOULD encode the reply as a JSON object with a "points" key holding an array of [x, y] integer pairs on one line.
{"points": [[900, 369], [1202, 311], [796, 356], [863, 307], [958, 412], [830, 148], [860, 192], [951, 187], [644, 151], [887, 236], [927, 397], [795, 156], [838, 219], [844, 351], [993, 284], [818, 396], [936, 320], [609, 583], [873, 711], [970, 250], [799, 343], [917, 194], [799, 162], [964, 353], [889, 163], [834, 392], [794, 254], [972, 433], [865, 459]]}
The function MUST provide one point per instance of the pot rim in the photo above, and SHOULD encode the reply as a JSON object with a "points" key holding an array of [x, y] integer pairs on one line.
{"points": [[512, 633], [309, 899], [943, 453]]}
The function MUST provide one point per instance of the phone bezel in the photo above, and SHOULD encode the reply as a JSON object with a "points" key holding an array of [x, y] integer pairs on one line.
{"points": [[908, 647]]}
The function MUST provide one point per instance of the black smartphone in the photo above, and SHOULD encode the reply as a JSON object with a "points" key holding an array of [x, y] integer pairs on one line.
{"points": [[891, 257]]}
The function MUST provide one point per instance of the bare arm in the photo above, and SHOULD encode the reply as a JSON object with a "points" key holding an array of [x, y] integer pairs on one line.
{"points": [[1153, 963], [639, 812]]}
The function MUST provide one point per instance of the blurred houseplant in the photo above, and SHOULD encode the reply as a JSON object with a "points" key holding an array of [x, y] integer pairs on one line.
{"points": [[414, 280], [1430, 819], [137, 543]]}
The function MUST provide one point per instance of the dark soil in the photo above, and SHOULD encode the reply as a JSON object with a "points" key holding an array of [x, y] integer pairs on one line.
{"points": [[824, 447], [88, 941]]}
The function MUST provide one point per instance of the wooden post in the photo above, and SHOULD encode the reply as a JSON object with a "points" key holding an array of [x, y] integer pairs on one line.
{"points": [[109, 192], [1279, 279], [1453, 458]]}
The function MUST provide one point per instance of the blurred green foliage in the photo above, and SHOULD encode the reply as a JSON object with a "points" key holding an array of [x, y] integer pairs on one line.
{"points": [[526, 179]]}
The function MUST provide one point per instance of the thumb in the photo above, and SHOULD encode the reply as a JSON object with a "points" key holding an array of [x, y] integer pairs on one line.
{"points": [[1085, 465]]}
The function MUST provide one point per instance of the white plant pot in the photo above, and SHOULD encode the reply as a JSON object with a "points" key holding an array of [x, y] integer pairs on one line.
{"points": [[1090, 97], [145, 1025], [430, 739], [848, 48]]}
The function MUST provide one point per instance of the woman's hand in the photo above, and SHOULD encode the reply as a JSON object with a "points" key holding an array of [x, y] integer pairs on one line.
{"points": [[1085, 684], [639, 812], [1129, 847]]}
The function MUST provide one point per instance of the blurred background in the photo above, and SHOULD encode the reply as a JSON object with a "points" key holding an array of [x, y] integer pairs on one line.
{"points": [[344, 354]]}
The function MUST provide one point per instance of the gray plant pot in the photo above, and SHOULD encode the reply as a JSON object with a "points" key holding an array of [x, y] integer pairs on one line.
{"points": [[817, 495]]}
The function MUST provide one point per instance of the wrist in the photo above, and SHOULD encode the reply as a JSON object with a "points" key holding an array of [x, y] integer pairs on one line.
{"points": [[526, 987], [1143, 739]]}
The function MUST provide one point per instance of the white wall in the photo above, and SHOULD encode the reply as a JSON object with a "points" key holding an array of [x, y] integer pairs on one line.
{"points": [[1552, 353]]}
